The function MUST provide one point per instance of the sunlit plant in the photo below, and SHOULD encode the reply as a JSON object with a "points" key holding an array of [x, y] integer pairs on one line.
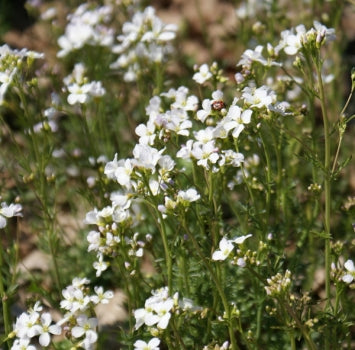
{"points": [[226, 187]]}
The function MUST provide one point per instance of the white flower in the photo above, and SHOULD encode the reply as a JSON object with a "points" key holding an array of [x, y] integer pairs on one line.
{"points": [[85, 326], [179, 122], [240, 239], [225, 248], [202, 75], [280, 108], [120, 171], [250, 56], [93, 238], [186, 150], [100, 265], [5, 80], [162, 309], [153, 344], [235, 120], [22, 344], [203, 113], [191, 195], [101, 296], [259, 97], [96, 89], [350, 275], [78, 93], [76, 76], [204, 135], [26, 325], [120, 200], [86, 27], [145, 316], [183, 101], [80, 302], [47, 329], [146, 133], [92, 217], [156, 310], [146, 157], [8, 211], [291, 42], [105, 212], [323, 32], [205, 153], [232, 158], [145, 39]]}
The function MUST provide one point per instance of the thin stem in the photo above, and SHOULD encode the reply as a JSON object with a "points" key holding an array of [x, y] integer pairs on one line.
{"points": [[341, 132], [217, 285], [245, 178], [293, 341], [268, 181], [163, 234], [4, 301], [300, 326], [327, 185], [177, 335]]}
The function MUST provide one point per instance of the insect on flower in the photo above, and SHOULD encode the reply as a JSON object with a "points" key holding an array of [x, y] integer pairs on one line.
{"points": [[218, 105]]}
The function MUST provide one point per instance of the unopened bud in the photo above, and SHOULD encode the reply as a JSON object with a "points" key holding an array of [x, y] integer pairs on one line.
{"points": [[353, 79]]}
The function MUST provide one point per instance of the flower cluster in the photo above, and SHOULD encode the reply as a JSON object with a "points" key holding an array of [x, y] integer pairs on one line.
{"points": [[86, 27], [159, 308], [144, 40], [294, 39], [32, 324], [279, 284], [10, 63], [78, 320], [80, 89]]}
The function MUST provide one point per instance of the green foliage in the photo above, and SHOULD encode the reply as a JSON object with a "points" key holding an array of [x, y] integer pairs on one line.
{"points": [[216, 204]]}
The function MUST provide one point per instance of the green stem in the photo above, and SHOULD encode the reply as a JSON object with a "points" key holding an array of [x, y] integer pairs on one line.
{"points": [[217, 285], [162, 229], [158, 78], [293, 341], [327, 185], [341, 132], [300, 326], [4, 301], [245, 178], [268, 182], [258, 320], [41, 187], [177, 335]]}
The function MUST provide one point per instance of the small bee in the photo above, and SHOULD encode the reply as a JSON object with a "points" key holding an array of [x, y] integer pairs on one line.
{"points": [[218, 105]]}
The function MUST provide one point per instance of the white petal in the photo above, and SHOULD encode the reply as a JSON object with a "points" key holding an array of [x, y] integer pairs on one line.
{"points": [[218, 255], [154, 342], [163, 323], [77, 332], [349, 265], [44, 339], [2, 222], [241, 239], [347, 278]]}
